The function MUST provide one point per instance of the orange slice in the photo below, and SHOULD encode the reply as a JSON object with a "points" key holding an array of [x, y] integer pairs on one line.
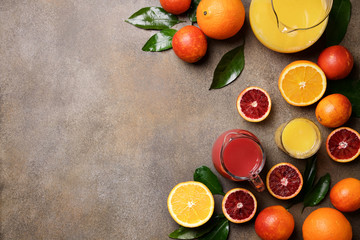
{"points": [[302, 83], [284, 181], [191, 204]]}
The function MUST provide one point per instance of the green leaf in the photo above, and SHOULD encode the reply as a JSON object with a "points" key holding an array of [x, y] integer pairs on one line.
{"points": [[308, 177], [153, 18], [219, 232], [160, 41], [206, 176], [350, 88], [319, 192], [339, 19], [191, 233], [229, 68], [192, 10]]}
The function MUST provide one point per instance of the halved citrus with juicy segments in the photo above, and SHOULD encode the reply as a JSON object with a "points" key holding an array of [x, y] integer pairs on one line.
{"points": [[190, 204], [284, 181], [253, 104], [302, 83], [239, 205], [343, 144]]}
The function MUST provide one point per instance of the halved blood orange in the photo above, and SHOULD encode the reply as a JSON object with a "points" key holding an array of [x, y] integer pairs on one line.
{"points": [[239, 205], [343, 144], [284, 181], [253, 104]]}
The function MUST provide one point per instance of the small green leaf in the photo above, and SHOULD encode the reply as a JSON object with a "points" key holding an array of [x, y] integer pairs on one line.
{"points": [[350, 88], [206, 176], [219, 232], [160, 41], [229, 68], [192, 10], [153, 18], [308, 177], [339, 19], [191, 233], [319, 192]]}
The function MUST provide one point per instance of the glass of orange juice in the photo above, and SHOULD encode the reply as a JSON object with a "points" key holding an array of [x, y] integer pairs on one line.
{"points": [[289, 26], [300, 138]]}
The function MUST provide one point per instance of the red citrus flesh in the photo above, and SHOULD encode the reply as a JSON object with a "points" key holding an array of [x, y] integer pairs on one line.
{"points": [[239, 205], [343, 144], [284, 181], [253, 104]]}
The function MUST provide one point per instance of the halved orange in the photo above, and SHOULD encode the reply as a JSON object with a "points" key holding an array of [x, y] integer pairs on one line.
{"points": [[302, 83], [253, 104], [190, 204], [239, 205], [284, 181], [343, 144]]}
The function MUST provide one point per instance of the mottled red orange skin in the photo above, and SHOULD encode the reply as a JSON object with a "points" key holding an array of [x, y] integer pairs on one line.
{"points": [[189, 44], [274, 223], [336, 62], [333, 110], [175, 6]]}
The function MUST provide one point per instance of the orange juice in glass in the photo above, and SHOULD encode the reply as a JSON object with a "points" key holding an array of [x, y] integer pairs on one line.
{"points": [[289, 26], [300, 138]]}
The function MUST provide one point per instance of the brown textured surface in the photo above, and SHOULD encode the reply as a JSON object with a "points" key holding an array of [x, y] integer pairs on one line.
{"points": [[95, 132]]}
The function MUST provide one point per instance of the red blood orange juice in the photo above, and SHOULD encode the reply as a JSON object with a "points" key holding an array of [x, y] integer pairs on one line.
{"points": [[238, 155]]}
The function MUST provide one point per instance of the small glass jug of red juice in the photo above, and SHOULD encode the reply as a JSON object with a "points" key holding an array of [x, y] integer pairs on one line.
{"points": [[238, 155]]}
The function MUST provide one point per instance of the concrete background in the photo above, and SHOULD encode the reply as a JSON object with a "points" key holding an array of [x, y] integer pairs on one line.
{"points": [[95, 132]]}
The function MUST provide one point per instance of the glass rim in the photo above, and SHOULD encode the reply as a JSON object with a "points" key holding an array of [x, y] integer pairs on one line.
{"points": [[315, 147]]}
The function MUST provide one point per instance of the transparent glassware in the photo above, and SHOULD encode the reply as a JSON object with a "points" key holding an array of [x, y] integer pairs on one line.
{"points": [[226, 141]]}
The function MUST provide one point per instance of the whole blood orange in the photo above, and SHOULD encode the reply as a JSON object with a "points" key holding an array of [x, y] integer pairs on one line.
{"points": [[239, 205], [326, 224], [220, 19], [274, 223], [333, 110], [284, 181], [253, 104], [343, 144], [336, 62], [345, 195], [189, 44], [175, 6]]}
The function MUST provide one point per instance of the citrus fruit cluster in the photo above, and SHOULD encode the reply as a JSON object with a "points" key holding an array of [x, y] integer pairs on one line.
{"points": [[217, 19]]}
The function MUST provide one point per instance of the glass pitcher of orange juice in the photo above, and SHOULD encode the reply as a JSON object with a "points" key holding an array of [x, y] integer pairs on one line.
{"points": [[289, 26]]}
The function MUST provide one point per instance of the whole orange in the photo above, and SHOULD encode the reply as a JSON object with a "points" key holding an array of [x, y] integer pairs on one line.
{"points": [[220, 19], [326, 224], [336, 62], [175, 6], [345, 195], [274, 223], [333, 110], [189, 44]]}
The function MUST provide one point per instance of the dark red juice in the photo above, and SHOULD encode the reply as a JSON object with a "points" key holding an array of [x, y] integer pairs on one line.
{"points": [[241, 156]]}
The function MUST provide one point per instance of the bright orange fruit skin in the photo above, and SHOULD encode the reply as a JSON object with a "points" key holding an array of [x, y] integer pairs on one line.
{"points": [[333, 110], [326, 224], [220, 19], [175, 6], [336, 62], [274, 223], [189, 44], [345, 195]]}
